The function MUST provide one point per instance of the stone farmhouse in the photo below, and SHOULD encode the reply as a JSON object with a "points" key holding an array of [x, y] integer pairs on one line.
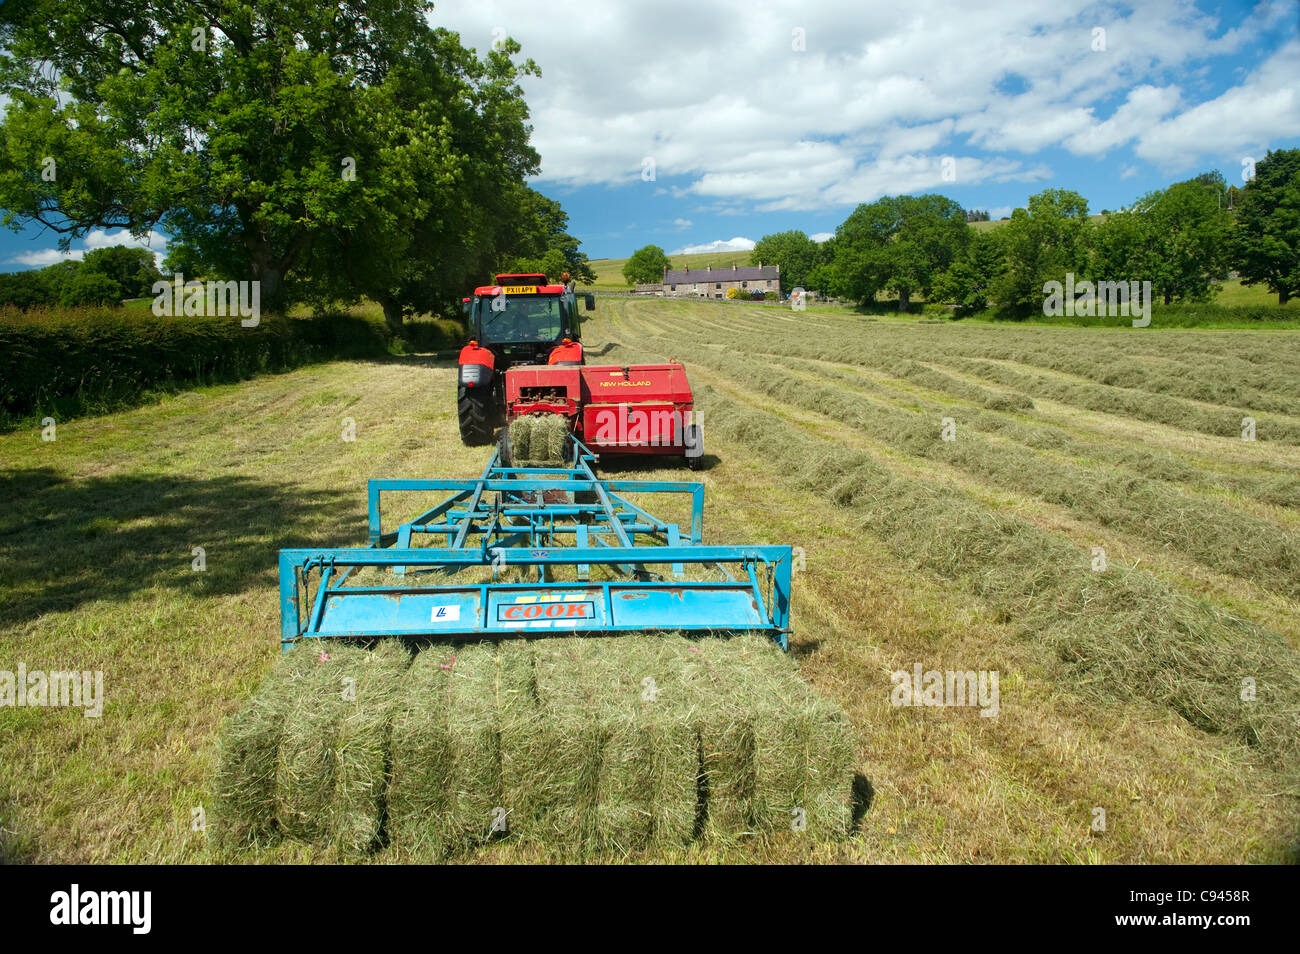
{"points": [[710, 282]]}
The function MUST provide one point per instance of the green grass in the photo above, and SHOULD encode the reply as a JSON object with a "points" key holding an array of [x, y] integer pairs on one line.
{"points": [[1234, 292], [1120, 689]]}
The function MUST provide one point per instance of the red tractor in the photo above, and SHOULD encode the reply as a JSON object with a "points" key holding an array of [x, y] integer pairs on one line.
{"points": [[524, 362], [519, 320]]}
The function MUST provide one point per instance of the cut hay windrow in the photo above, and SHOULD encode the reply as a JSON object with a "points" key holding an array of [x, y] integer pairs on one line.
{"points": [[1233, 542], [1121, 635]]}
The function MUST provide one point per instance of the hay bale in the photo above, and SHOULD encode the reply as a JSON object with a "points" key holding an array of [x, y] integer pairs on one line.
{"points": [[331, 760], [423, 771], [539, 440], [454, 733], [521, 429], [361, 749], [243, 785], [613, 745], [773, 751], [549, 439], [614, 764]]}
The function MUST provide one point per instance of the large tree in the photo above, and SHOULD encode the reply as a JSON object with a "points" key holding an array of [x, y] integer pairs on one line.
{"points": [[969, 281], [646, 265], [899, 243], [325, 150], [794, 251], [1175, 238], [132, 268], [1267, 246], [1043, 243], [544, 245]]}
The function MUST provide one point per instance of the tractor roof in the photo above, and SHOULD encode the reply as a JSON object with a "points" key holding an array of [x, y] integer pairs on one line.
{"points": [[521, 289]]}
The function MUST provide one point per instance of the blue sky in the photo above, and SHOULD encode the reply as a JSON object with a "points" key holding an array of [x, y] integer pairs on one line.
{"points": [[758, 116]]}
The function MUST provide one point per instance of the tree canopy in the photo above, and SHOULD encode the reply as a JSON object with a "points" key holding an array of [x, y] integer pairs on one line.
{"points": [[328, 151], [794, 251], [1267, 241], [646, 265], [897, 243]]}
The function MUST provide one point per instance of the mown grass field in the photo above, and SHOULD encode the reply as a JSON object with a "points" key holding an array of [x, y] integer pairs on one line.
{"points": [[1120, 689]]}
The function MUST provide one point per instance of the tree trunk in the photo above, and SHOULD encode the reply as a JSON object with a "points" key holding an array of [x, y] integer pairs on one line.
{"points": [[1283, 296], [267, 272], [904, 299], [392, 313]]}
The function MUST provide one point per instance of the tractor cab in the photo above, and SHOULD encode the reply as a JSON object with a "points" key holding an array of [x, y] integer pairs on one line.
{"points": [[522, 319]]}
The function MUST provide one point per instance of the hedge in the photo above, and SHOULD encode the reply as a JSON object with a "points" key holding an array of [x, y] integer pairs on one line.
{"points": [[96, 357]]}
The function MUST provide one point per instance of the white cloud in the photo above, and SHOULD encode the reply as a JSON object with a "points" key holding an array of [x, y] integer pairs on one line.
{"points": [[45, 256], [820, 237], [682, 223], [154, 241], [1265, 108], [880, 93], [737, 244], [1128, 172]]}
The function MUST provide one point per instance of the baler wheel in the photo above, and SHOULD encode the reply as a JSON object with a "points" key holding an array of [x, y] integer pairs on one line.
{"points": [[474, 409]]}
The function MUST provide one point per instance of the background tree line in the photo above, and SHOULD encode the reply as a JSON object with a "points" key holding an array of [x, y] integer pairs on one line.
{"points": [[1184, 239], [104, 277]]}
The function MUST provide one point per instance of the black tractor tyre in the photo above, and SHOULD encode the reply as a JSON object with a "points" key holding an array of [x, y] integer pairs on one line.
{"points": [[475, 411]]}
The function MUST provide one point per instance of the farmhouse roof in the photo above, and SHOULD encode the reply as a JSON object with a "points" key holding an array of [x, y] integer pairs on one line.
{"points": [[734, 273]]}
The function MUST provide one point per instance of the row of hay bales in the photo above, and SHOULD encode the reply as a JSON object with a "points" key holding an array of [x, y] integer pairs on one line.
{"points": [[538, 440], [579, 745]]}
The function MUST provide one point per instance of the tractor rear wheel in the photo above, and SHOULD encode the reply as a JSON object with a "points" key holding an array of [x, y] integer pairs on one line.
{"points": [[474, 408]]}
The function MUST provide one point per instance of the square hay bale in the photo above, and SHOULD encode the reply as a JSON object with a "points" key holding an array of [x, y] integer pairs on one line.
{"points": [[615, 768], [243, 785], [776, 756], [521, 430], [460, 719], [420, 789], [331, 761], [356, 811], [548, 438]]}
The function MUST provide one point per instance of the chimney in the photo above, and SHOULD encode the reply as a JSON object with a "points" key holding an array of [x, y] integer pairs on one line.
{"points": [[733, 266], [708, 268], [665, 278]]}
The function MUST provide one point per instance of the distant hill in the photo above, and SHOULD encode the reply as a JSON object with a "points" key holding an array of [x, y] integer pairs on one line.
{"points": [[609, 271]]}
